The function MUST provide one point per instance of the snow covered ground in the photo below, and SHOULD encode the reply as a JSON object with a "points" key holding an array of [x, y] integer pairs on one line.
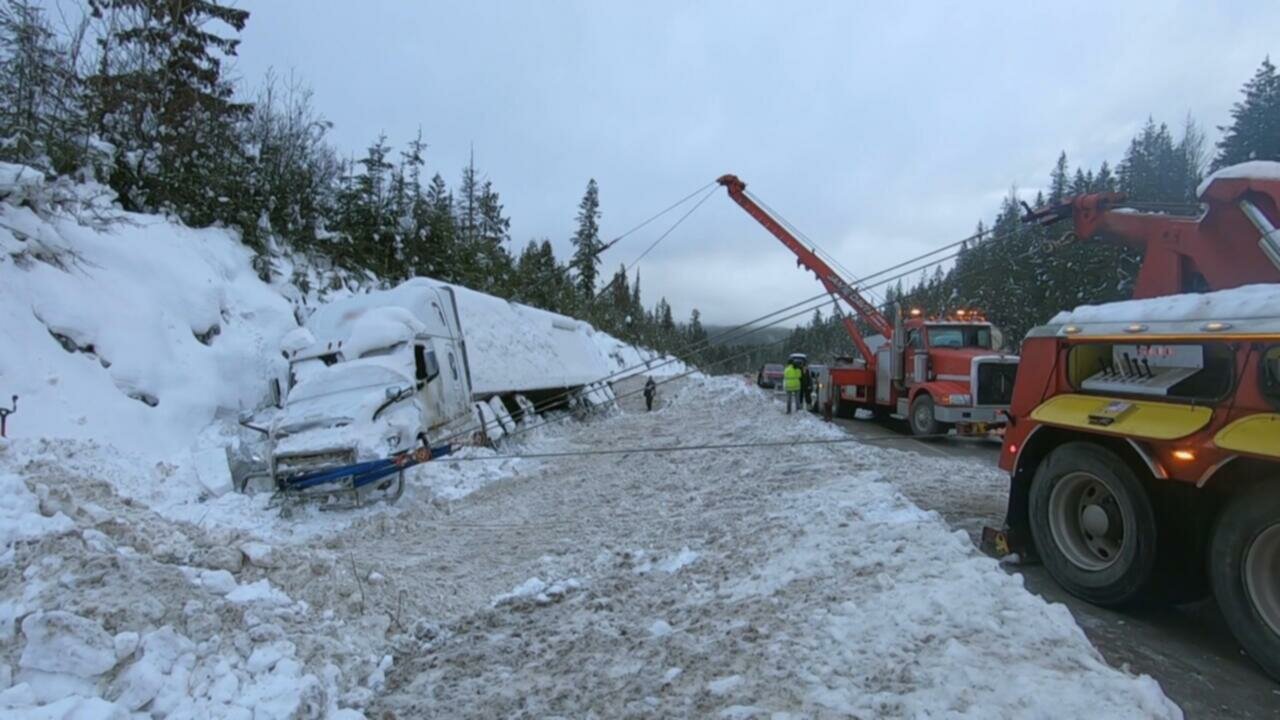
{"points": [[792, 581]]}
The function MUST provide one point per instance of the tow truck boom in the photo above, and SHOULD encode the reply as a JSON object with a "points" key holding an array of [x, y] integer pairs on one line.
{"points": [[1232, 243], [808, 259]]}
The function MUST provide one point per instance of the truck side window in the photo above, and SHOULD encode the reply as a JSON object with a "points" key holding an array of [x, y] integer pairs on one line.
{"points": [[425, 365], [1271, 375], [453, 366], [913, 339]]}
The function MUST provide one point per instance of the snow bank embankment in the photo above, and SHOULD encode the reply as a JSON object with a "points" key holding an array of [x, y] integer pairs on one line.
{"points": [[128, 328]]}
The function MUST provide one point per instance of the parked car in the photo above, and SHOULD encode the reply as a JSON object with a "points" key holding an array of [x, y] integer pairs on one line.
{"points": [[770, 376]]}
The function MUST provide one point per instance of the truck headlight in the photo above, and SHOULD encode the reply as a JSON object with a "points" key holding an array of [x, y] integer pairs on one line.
{"points": [[959, 399], [393, 441]]}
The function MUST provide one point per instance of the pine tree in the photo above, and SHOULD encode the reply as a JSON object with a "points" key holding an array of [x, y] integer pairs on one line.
{"points": [[1254, 132], [586, 241], [42, 116], [161, 97], [1058, 182]]}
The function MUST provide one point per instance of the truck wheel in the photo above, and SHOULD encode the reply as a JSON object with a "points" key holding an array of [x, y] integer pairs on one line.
{"points": [[1244, 567], [1094, 525], [921, 419]]}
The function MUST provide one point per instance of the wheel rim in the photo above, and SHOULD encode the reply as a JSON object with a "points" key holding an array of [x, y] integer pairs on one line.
{"points": [[1262, 576], [922, 416], [1087, 521]]}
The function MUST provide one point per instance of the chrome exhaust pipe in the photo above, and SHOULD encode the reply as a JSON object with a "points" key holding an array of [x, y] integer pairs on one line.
{"points": [[1270, 240]]}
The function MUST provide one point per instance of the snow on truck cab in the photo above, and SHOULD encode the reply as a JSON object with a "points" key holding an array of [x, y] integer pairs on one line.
{"points": [[371, 376]]}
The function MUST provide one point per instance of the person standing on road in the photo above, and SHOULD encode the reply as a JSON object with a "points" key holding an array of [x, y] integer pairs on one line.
{"points": [[791, 384], [650, 389]]}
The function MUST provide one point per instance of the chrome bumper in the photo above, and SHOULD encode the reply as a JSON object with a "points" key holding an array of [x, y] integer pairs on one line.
{"points": [[958, 414]]}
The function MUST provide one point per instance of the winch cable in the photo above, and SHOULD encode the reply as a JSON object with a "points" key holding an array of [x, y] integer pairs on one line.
{"points": [[563, 396], [655, 216], [709, 188], [733, 333], [701, 446]]}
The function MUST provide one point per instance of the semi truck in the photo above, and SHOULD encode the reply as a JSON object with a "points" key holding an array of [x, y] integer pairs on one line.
{"points": [[936, 373], [1143, 439]]}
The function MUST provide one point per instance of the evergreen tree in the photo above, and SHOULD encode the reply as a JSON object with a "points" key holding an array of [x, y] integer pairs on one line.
{"points": [[1058, 182], [586, 241], [42, 118], [1254, 132], [161, 97]]}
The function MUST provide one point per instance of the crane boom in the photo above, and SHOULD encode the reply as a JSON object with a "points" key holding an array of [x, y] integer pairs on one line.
{"points": [[808, 259], [1231, 243]]}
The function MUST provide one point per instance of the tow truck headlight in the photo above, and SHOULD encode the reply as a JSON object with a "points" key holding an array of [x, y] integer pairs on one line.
{"points": [[959, 399]]}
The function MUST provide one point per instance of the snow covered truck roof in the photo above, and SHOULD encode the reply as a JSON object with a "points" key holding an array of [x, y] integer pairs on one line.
{"points": [[1252, 309], [510, 347]]}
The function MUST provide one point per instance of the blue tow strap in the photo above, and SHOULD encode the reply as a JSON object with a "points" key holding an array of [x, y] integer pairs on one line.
{"points": [[370, 471]]}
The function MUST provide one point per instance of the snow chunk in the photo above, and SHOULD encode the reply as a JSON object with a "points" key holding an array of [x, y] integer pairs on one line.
{"points": [[537, 591], [261, 591], [724, 685], [259, 554], [62, 642], [20, 517], [680, 560]]}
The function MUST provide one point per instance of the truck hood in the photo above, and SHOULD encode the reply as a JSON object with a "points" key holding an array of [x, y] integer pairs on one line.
{"points": [[333, 409]]}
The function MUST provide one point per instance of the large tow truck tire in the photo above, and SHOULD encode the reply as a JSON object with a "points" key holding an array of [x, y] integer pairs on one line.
{"points": [[1244, 568], [921, 419], [1094, 525]]}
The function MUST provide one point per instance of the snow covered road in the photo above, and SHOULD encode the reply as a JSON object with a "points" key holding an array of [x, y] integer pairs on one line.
{"points": [[795, 582]]}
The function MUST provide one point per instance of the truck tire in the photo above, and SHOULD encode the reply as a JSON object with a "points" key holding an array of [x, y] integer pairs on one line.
{"points": [[1094, 526], [921, 418], [1243, 558]]}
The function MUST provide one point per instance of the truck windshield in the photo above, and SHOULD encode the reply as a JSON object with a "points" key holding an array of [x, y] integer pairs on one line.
{"points": [[960, 336]]}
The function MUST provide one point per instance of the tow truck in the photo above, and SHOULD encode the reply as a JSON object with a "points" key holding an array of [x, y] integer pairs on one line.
{"points": [[1143, 442], [936, 373]]}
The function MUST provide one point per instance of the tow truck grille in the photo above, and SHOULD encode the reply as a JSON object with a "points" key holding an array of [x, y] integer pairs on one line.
{"points": [[995, 383]]}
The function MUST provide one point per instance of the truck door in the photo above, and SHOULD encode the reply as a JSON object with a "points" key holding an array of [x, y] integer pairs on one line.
{"points": [[432, 394], [915, 362], [456, 401]]}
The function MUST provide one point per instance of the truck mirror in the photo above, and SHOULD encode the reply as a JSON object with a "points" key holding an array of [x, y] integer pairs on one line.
{"points": [[277, 398], [246, 416]]}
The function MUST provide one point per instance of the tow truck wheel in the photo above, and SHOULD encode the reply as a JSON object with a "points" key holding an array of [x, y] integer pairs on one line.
{"points": [[1244, 567], [1094, 525], [921, 419]]}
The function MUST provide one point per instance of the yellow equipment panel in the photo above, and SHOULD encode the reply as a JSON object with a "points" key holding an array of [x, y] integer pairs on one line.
{"points": [[1255, 434], [1141, 419]]}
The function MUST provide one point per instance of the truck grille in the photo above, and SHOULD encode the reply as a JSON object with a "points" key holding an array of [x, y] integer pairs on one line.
{"points": [[995, 383]]}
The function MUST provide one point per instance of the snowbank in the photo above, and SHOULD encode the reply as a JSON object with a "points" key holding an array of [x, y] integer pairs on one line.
{"points": [[131, 330], [1243, 303]]}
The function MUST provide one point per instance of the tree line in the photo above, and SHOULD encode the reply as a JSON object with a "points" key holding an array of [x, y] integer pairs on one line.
{"points": [[136, 94]]}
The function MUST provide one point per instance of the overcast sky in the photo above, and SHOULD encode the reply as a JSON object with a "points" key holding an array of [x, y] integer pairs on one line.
{"points": [[880, 129]]}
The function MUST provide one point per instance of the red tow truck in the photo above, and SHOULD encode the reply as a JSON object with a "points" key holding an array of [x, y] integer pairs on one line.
{"points": [[937, 373], [1143, 443]]}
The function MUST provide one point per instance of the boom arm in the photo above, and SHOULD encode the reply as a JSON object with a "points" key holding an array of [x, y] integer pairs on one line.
{"points": [[1232, 244], [806, 258]]}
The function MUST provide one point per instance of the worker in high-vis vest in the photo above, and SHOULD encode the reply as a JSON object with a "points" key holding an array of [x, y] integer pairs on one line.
{"points": [[791, 384]]}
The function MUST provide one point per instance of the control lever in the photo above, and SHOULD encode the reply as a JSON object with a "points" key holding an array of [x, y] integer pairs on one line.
{"points": [[1147, 366]]}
